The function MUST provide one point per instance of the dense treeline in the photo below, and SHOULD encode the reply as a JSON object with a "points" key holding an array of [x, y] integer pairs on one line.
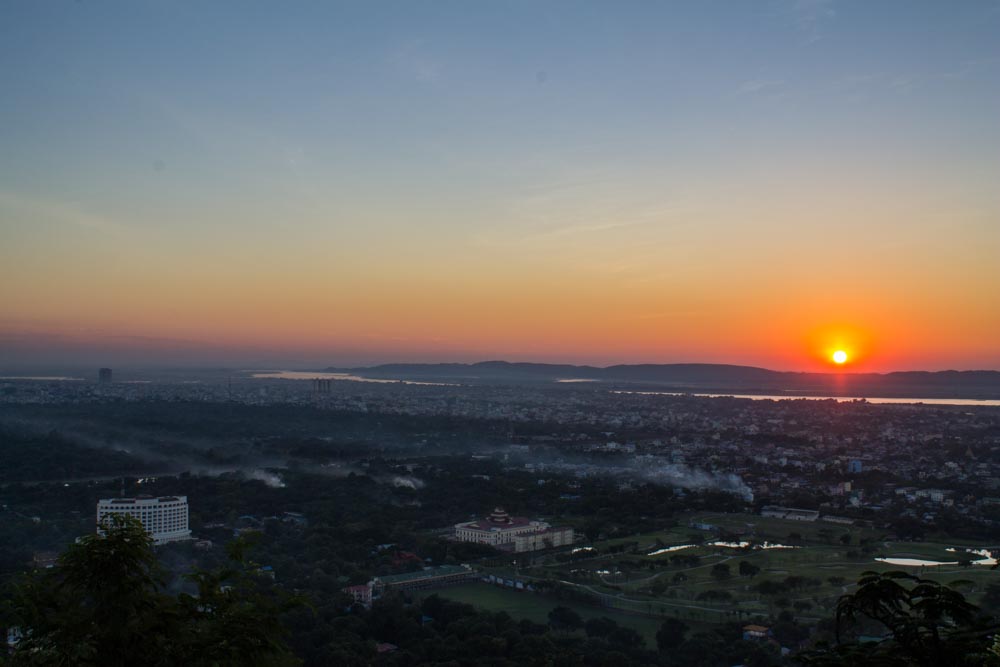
{"points": [[105, 604], [440, 632], [206, 423], [30, 454]]}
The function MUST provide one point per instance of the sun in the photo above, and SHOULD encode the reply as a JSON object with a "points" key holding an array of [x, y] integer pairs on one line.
{"points": [[839, 357]]}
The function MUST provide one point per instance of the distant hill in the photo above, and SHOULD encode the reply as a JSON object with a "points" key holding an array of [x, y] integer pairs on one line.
{"points": [[706, 378]]}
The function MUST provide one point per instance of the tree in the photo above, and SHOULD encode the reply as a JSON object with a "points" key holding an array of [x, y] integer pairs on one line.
{"points": [[769, 587], [715, 596], [625, 638], [748, 569], [720, 571], [104, 605], [565, 619], [600, 627], [671, 634], [232, 621], [991, 597], [592, 529], [925, 624]]}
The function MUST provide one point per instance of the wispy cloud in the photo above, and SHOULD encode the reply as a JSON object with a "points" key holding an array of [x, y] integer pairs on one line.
{"points": [[580, 203], [759, 85], [810, 17], [571, 230], [906, 82], [65, 213], [412, 59]]}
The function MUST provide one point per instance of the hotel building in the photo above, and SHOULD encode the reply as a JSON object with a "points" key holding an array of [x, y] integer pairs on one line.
{"points": [[165, 519]]}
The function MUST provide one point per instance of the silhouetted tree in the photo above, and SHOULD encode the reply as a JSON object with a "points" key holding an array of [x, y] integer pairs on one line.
{"points": [[926, 624], [671, 634], [104, 605], [600, 627], [564, 618]]}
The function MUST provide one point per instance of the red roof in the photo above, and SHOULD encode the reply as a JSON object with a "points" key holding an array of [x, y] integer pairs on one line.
{"points": [[514, 522], [405, 557], [360, 588]]}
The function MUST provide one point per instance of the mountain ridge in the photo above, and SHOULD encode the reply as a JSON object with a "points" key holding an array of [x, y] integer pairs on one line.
{"points": [[705, 377]]}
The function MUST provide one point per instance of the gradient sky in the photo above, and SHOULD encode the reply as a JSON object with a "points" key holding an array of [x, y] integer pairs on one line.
{"points": [[740, 182]]}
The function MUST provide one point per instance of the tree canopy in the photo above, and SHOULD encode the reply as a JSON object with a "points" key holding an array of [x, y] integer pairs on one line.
{"points": [[909, 621], [104, 605]]}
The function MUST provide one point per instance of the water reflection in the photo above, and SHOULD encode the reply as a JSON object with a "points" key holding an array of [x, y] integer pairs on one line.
{"points": [[839, 399], [311, 375]]}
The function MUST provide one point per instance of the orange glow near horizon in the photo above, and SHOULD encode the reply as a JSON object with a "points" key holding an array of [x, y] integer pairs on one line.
{"points": [[550, 309], [526, 329]]}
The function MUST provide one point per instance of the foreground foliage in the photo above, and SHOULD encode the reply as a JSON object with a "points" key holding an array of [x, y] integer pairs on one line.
{"points": [[104, 605], [896, 619]]}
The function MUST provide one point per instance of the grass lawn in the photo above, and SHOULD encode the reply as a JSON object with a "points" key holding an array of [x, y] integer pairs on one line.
{"points": [[820, 555], [536, 607]]}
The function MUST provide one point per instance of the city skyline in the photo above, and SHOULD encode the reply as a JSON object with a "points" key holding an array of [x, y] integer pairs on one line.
{"points": [[746, 183]]}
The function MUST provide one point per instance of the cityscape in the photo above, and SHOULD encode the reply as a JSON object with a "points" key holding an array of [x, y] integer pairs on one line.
{"points": [[748, 513]]}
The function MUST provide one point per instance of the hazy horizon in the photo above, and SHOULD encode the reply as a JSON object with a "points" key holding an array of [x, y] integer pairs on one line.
{"points": [[129, 356]]}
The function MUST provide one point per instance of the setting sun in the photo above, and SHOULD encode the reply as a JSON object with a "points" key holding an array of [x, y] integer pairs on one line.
{"points": [[839, 357]]}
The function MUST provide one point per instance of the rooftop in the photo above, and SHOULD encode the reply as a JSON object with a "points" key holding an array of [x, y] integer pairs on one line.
{"points": [[426, 573], [143, 499], [486, 524]]}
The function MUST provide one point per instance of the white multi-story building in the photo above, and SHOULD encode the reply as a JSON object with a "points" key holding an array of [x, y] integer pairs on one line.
{"points": [[513, 533], [165, 519]]}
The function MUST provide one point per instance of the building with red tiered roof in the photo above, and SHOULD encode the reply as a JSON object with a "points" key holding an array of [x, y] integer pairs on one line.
{"points": [[513, 533]]}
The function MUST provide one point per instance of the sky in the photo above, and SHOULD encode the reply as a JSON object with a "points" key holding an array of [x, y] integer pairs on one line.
{"points": [[328, 183]]}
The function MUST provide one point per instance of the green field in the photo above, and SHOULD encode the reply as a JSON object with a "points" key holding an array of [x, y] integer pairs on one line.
{"points": [[627, 579], [819, 554], [536, 607]]}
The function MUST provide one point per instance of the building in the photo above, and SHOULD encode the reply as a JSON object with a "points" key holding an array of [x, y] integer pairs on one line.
{"points": [[756, 633], [789, 513], [543, 539], [104, 375], [44, 560], [165, 519], [429, 577], [842, 520], [362, 594], [854, 466], [513, 533]]}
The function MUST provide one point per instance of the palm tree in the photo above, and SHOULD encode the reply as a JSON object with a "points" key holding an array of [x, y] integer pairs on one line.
{"points": [[926, 624]]}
